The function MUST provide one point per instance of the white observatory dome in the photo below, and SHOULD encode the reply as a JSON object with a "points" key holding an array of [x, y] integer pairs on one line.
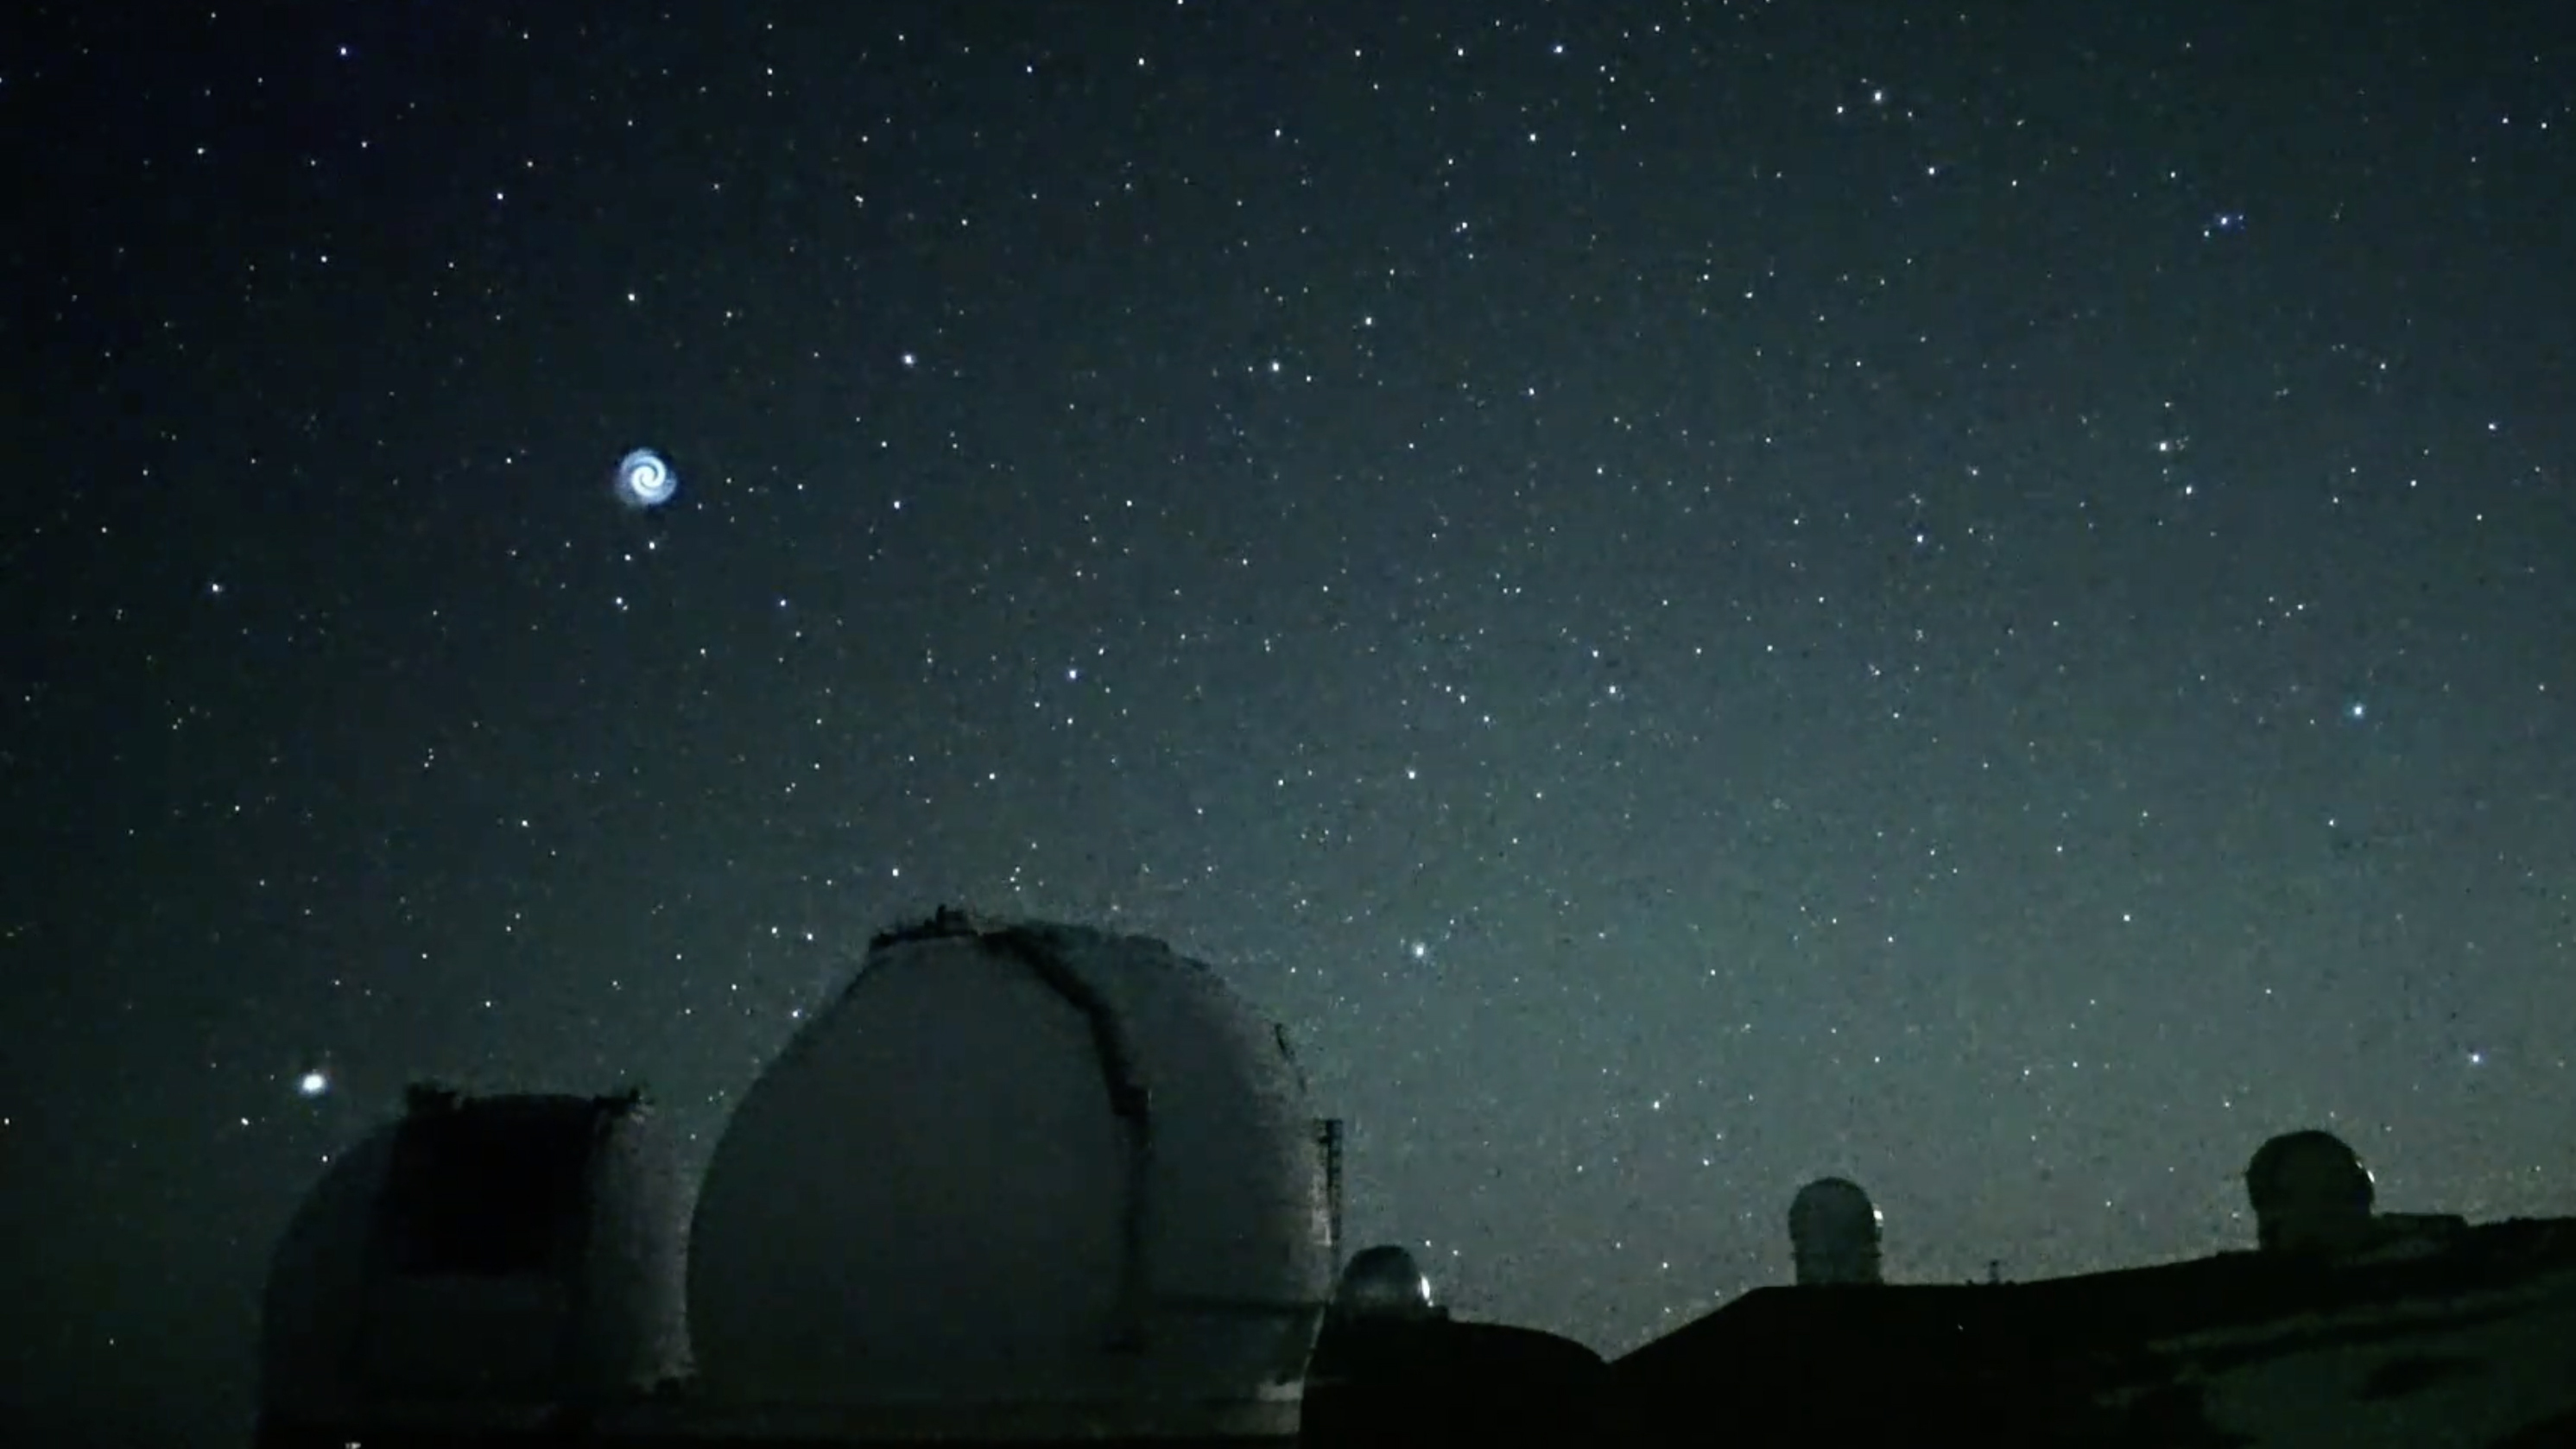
{"points": [[482, 1263], [1834, 1234], [1019, 1182]]}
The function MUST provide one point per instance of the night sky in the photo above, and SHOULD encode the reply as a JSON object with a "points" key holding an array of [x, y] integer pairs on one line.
{"points": [[1694, 595]]}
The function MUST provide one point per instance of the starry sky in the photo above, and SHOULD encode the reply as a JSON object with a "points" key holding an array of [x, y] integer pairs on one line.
{"points": [[1695, 595]]}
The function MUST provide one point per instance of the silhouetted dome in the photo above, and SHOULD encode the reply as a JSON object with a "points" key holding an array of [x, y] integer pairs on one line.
{"points": [[1384, 1283], [2310, 1194], [1026, 1181], [1834, 1233], [481, 1260]]}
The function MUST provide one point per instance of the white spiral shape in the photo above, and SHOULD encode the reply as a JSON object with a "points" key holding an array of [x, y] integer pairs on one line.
{"points": [[644, 480]]}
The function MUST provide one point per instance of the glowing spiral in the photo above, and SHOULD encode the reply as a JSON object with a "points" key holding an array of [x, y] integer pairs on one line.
{"points": [[644, 480]]}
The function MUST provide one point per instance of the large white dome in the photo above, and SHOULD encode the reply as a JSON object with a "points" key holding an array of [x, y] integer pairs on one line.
{"points": [[1024, 1181]]}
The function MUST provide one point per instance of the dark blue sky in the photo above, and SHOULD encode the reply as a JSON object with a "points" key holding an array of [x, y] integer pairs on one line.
{"points": [[1694, 595]]}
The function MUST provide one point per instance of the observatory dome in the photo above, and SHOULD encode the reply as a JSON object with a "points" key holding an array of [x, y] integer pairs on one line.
{"points": [[1020, 1181], [483, 1261], [1385, 1283], [1834, 1234], [2310, 1194]]}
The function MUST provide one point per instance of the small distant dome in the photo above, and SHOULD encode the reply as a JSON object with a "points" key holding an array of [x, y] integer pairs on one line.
{"points": [[1385, 1283], [1021, 1181], [1834, 1234], [480, 1261], [2310, 1194]]}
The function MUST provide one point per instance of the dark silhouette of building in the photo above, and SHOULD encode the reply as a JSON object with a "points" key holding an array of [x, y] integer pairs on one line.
{"points": [[1834, 1234], [2310, 1194], [2343, 1328]]}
